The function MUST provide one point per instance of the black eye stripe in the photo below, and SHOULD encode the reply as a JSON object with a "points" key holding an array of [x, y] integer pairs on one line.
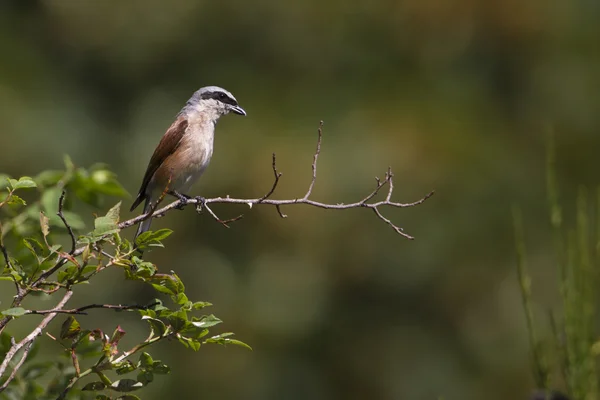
{"points": [[222, 97]]}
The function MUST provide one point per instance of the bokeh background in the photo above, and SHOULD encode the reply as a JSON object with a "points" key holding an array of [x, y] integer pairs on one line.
{"points": [[457, 96]]}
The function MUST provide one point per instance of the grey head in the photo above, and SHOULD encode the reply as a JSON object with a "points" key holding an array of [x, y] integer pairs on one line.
{"points": [[214, 101]]}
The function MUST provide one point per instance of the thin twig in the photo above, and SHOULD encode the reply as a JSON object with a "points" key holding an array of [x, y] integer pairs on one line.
{"points": [[61, 202], [275, 182], [81, 310], [10, 266], [364, 203], [26, 343], [314, 163]]}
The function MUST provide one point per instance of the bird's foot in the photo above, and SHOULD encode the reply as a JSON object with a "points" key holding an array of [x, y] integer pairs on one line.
{"points": [[201, 203], [183, 198]]}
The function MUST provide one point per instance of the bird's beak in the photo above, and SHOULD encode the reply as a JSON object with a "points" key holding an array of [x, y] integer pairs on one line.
{"points": [[238, 110]]}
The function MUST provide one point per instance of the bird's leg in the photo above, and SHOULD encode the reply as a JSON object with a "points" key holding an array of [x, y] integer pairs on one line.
{"points": [[183, 198]]}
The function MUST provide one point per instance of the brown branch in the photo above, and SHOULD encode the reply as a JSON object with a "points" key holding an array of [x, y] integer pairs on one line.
{"points": [[61, 202], [81, 310], [277, 176], [202, 203], [9, 264], [27, 342], [314, 163]]}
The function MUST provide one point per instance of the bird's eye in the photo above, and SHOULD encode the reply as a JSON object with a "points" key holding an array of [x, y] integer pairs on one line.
{"points": [[222, 96]]}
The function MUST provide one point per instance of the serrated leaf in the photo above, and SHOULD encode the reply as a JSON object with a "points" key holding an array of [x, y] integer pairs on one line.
{"points": [[126, 385], [24, 182], [14, 312], [70, 328], [94, 386]]}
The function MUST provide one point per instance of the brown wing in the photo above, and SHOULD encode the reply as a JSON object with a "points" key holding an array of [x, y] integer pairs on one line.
{"points": [[167, 146]]}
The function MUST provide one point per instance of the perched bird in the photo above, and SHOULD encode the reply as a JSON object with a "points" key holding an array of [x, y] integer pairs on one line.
{"points": [[185, 149]]}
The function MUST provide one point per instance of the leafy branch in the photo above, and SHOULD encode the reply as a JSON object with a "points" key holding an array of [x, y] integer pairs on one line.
{"points": [[35, 262]]}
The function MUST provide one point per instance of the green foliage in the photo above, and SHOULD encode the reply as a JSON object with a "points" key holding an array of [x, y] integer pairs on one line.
{"points": [[36, 263], [569, 359]]}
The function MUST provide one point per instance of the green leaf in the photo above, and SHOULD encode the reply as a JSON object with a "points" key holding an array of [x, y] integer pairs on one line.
{"points": [[102, 397], [160, 368], [70, 328], [128, 397], [200, 304], [223, 340], [145, 360], [181, 299], [24, 182], [152, 238], [36, 248], [207, 321], [158, 327], [125, 368], [16, 200], [14, 312], [94, 386], [126, 385], [188, 342], [145, 377], [169, 284], [108, 224], [162, 289]]}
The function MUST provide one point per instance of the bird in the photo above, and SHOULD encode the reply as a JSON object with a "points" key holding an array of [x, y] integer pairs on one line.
{"points": [[185, 149]]}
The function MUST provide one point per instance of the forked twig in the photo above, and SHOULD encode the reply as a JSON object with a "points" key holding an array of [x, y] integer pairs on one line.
{"points": [[202, 203]]}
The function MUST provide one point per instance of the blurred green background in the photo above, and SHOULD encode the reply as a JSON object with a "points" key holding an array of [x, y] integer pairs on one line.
{"points": [[457, 96]]}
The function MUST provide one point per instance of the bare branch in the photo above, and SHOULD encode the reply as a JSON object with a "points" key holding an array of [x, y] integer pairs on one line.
{"points": [[202, 203], [82, 310], [9, 264], [314, 163], [61, 202], [277, 176], [27, 342]]}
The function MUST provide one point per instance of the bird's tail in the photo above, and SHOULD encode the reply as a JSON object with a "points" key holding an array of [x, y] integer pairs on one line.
{"points": [[145, 224]]}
